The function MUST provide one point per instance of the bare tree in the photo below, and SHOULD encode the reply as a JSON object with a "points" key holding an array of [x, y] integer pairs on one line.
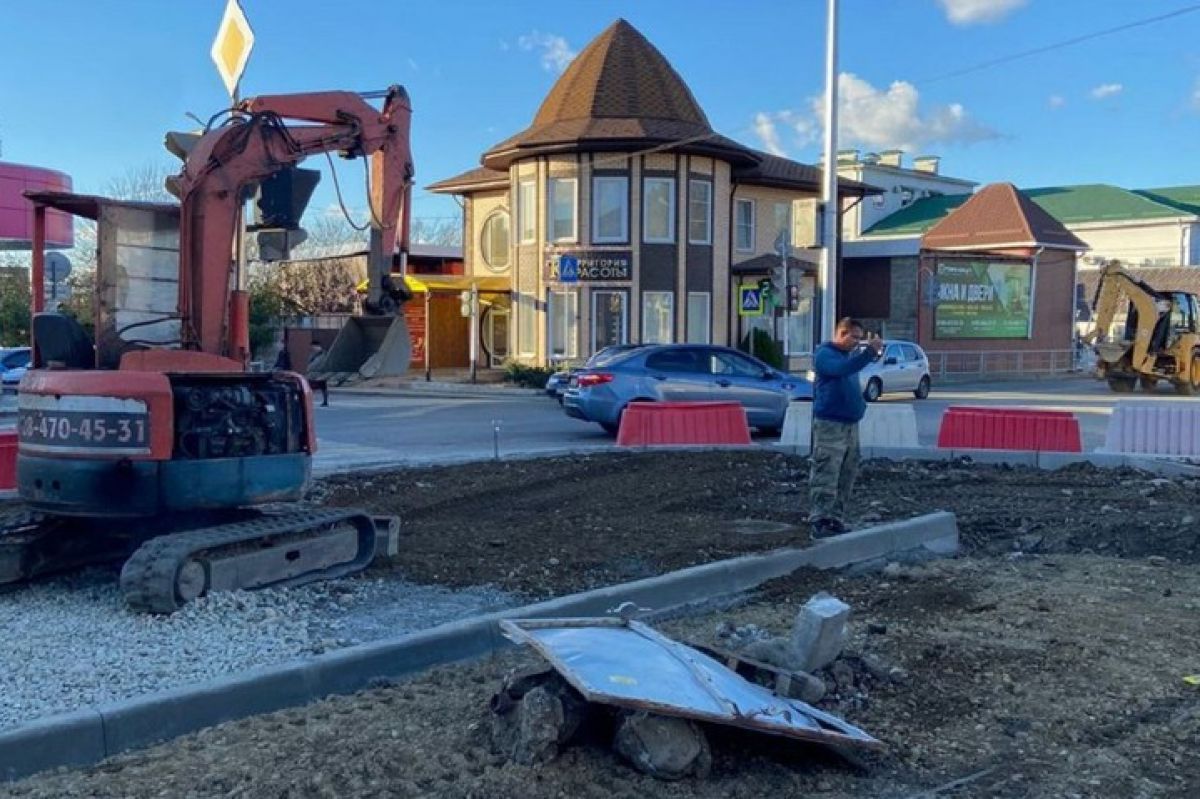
{"points": [[444, 231]]}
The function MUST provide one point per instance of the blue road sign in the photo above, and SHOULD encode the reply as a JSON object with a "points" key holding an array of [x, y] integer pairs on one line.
{"points": [[750, 300], [568, 269]]}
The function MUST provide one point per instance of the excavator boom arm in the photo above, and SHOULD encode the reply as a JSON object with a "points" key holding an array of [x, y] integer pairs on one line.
{"points": [[1116, 283], [228, 160]]}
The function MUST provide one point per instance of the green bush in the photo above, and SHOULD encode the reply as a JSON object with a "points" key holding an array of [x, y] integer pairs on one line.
{"points": [[527, 376], [766, 349]]}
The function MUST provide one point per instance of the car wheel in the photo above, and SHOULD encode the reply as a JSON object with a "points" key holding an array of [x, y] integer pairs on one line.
{"points": [[768, 431], [873, 390], [922, 388], [610, 428]]}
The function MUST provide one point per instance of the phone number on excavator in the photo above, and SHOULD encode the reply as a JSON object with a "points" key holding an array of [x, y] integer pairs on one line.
{"points": [[104, 430]]}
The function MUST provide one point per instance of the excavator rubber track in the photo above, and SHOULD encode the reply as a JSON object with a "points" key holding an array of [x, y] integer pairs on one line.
{"points": [[273, 550]]}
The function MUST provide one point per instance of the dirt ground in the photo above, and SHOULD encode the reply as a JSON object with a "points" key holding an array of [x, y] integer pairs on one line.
{"points": [[1048, 660]]}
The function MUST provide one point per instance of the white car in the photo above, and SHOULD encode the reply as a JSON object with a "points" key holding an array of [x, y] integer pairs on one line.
{"points": [[903, 367]]}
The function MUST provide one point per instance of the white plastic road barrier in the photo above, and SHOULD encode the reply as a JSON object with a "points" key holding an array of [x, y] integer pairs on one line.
{"points": [[891, 425], [797, 426], [886, 425], [1154, 428]]}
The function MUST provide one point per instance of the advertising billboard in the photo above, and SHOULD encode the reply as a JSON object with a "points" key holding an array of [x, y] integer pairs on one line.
{"points": [[983, 299]]}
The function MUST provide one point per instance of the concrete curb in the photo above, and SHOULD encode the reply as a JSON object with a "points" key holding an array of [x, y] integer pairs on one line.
{"points": [[441, 389], [1164, 465], [88, 736]]}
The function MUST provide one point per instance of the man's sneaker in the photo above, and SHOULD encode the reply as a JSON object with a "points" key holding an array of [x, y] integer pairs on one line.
{"points": [[824, 528]]}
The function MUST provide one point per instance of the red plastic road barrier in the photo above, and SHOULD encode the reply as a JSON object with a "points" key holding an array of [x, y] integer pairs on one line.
{"points": [[8, 459], [645, 424], [1009, 428]]}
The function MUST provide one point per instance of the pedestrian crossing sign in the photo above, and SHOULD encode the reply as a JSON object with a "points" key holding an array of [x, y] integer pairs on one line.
{"points": [[750, 300]]}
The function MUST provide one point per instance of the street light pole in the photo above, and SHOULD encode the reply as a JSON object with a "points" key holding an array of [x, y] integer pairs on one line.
{"points": [[827, 269]]}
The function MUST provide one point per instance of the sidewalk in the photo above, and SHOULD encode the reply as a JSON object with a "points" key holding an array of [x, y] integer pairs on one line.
{"points": [[443, 383]]}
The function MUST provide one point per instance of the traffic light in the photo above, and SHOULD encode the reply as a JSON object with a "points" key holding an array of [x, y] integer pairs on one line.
{"points": [[178, 144], [766, 289], [464, 299], [281, 199]]}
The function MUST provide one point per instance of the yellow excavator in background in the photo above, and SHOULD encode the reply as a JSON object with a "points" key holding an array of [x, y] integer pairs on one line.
{"points": [[1160, 339]]}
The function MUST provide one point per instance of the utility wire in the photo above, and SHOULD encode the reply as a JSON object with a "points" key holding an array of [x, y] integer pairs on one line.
{"points": [[1057, 45]]}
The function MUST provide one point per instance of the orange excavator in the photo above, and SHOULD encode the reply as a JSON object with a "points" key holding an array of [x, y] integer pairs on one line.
{"points": [[151, 439]]}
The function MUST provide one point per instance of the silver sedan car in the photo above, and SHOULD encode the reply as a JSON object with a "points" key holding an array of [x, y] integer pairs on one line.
{"points": [[684, 373], [903, 367]]}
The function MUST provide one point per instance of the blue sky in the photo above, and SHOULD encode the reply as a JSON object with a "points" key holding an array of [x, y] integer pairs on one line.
{"points": [[89, 87]]}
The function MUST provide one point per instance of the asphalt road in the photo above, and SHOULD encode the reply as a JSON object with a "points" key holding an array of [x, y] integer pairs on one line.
{"points": [[425, 428], [359, 429]]}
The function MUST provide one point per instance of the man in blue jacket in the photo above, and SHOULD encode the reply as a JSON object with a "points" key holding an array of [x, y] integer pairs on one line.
{"points": [[838, 407]]}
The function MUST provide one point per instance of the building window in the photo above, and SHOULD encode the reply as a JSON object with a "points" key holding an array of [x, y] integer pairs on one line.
{"points": [[610, 210], [527, 210], [658, 210], [699, 212], [743, 211], [563, 201], [658, 317], [493, 244], [699, 324], [562, 314], [610, 319]]}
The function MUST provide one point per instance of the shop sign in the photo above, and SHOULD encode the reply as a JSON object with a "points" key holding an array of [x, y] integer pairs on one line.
{"points": [[981, 299], [592, 266]]}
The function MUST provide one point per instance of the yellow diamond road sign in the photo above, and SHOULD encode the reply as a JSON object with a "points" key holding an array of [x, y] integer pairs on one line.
{"points": [[231, 48]]}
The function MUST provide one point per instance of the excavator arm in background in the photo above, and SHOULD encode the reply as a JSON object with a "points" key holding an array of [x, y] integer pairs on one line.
{"points": [[1114, 284], [225, 162]]}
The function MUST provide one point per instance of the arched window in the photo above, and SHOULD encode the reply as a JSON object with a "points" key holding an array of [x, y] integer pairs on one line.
{"points": [[494, 241]]}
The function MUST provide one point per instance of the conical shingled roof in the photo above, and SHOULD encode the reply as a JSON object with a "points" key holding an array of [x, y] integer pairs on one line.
{"points": [[620, 74], [619, 92], [999, 216]]}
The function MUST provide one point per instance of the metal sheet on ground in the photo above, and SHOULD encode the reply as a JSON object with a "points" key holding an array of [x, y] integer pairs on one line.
{"points": [[628, 664]]}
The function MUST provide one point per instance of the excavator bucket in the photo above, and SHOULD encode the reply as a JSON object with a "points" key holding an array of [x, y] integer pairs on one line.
{"points": [[365, 347]]}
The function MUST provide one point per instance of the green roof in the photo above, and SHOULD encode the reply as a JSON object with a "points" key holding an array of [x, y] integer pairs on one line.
{"points": [[915, 219], [1185, 198], [1070, 205]]}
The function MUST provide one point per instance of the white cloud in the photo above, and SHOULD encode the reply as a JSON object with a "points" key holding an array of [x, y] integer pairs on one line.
{"points": [[1056, 101], [413, 65], [971, 12], [1105, 90], [556, 54], [874, 118], [764, 128]]}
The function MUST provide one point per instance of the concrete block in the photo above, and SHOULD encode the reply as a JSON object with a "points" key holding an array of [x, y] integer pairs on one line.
{"points": [[819, 632], [67, 739]]}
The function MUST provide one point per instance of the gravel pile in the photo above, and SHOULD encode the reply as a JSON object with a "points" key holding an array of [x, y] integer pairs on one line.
{"points": [[70, 643]]}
